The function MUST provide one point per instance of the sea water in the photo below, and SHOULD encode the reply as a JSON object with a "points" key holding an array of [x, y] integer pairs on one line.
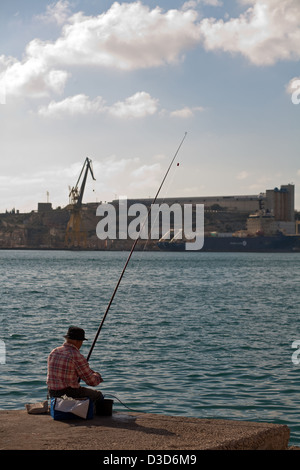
{"points": [[206, 335]]}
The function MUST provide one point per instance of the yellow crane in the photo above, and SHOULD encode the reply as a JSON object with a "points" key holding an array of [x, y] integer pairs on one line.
{"points": [[75, 233]]}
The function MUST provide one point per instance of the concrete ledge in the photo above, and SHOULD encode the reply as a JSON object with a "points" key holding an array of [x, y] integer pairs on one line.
{"points": [[136, 431]]}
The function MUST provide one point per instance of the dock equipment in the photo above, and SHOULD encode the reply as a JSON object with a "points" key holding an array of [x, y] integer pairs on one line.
{"points": [[76, 235]]}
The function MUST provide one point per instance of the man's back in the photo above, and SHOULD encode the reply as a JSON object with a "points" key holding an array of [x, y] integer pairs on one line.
{"points": [[66, 365]]}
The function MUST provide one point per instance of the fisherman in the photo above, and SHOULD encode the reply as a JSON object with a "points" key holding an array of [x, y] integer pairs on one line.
{"points": [[67, 366]]}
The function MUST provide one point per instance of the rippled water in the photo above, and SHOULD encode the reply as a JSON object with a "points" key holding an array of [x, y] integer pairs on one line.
{"points": [[207, 335]]}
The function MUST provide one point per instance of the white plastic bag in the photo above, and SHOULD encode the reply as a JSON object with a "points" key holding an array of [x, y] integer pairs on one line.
{"points": [[71, 405]]}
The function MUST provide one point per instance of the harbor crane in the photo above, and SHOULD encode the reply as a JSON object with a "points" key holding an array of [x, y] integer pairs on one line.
{"points": [[75, 233]]}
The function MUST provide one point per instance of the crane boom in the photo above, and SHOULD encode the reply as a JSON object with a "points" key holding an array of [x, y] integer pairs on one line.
{"points": [[75, 233], [76, 195]]}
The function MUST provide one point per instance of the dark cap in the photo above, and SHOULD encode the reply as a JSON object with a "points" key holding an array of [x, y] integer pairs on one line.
{"points": [[75, 333]]}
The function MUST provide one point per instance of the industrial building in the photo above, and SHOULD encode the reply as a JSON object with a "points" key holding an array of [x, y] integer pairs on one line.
{"points": [[279, 202], [270, 211]]}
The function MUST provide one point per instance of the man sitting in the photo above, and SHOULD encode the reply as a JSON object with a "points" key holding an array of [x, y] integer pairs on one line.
{"points": [[67, 366]]}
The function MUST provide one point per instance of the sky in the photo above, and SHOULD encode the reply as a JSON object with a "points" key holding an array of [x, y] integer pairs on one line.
{"points": [[121, 84]]}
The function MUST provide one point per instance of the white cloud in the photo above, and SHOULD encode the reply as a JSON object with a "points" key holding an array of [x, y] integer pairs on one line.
{"points": [[57, 12], [146, 177], [139, 105], [74, 105], [268, 31], [194, 3], [131, 36], [128, 36], [186, 112], [110, 175], [31, 78], [182, 113], [114, 177]]}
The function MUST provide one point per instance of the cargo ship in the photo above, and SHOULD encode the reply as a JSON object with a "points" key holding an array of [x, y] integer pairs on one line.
{"points": [[262, 235], [220, 243]]}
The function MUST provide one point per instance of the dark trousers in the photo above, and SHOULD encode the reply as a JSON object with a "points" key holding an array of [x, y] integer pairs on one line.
{"points": [[80, 392]]}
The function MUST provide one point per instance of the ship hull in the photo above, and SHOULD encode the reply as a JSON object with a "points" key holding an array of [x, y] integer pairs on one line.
{"points": [[283, 244]]}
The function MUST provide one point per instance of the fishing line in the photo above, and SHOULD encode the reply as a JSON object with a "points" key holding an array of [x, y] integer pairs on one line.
{"points": [[171, 179], [153, 221], [130, 409], [132, 249]]}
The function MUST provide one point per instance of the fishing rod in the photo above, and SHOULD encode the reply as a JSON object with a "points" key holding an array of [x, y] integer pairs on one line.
{"points": [[132, 250]]}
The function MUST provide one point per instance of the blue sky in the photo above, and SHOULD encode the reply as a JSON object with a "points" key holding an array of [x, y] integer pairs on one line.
{"points": [[121, 83]]}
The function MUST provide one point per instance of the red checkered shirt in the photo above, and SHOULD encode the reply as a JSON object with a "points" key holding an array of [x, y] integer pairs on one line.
{"points": [[65, 365]]}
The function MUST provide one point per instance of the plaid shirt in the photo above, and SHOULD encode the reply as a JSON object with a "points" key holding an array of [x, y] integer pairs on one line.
{"points": [[65, 365]]}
